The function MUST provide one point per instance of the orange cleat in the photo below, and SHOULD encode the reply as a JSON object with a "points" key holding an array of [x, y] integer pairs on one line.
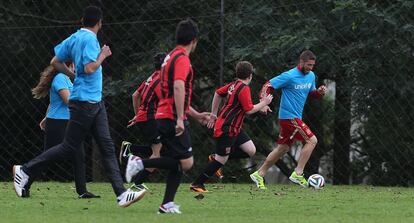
{"points": [[198, 188]]}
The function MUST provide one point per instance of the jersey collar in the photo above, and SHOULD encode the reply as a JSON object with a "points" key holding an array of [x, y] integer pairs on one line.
{"points": [[87, 30]]}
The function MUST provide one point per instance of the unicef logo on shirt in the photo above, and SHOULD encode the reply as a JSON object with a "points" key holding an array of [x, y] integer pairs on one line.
{"points": [[303, 86]]}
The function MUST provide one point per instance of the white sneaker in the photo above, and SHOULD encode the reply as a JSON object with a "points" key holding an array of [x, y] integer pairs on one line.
{"points": [[169, 208], [133, 167], [129, 197], [20, 179]]}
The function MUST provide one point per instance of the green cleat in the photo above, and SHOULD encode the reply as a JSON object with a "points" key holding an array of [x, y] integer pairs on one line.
{"points": [[298, 179], [259, 180]]}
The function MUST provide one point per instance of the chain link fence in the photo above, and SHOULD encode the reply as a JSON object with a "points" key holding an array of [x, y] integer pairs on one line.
{"points": [[364, 50]]}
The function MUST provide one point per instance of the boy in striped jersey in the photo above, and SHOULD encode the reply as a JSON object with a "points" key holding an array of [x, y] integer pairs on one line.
{"points": [[145, 102], [172, 112], [232, 141]]}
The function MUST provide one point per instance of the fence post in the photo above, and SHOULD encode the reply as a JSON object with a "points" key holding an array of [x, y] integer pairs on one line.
{"points": [[342, 131], [221, 42]]}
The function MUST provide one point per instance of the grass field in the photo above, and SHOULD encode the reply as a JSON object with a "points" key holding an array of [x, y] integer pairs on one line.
{"points": [[241, 203]]}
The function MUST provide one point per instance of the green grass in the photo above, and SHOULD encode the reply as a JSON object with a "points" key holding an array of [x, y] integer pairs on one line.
{"points": [[241, 203]]}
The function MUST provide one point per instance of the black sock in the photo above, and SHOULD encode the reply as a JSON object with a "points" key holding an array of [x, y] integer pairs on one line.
{"points": [[238, 154], [162, 163], [208, 172], [141, 177], [173, 182], [141, 150]]}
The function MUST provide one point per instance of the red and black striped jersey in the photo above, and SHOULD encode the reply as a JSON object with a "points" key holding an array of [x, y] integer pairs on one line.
{"points": [[149, 92], [176, 66], [231, 116]]}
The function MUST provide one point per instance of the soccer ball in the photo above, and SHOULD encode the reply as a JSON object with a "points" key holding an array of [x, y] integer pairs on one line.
{"points": [[316, 181]]}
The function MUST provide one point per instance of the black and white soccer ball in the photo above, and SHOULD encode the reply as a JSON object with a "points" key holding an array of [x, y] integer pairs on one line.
{"points": [[316, 181]]}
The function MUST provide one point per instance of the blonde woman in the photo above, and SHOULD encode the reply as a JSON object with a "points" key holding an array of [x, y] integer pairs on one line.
{"points": [[58, 86]]}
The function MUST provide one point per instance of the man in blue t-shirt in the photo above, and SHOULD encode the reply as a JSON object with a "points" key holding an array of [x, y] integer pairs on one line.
{"points": [[87, 110], [296, 84]]}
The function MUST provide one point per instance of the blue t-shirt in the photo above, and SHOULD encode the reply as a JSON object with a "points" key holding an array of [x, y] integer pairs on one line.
{"points": [[295, 89], [82, 48], [57, 108]]}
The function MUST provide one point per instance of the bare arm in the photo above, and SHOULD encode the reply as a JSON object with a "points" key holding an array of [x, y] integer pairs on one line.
{"points": [[93, 66], [64, 94], [136, 101], [61, 67], [215, 104], [194, 113], [202, 117], [214, 110], [179, 97], [263, 103], [42, 123]]}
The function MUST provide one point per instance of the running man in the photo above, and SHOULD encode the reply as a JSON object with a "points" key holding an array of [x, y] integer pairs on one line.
{"points": [[232, 141], [173, 108], [296, 85], [87, 110]]}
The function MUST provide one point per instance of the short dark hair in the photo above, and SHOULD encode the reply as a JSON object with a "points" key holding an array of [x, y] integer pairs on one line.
{"points": [[91, 16], [158, 60], [244, 69], [186, 32], [307, 55]]}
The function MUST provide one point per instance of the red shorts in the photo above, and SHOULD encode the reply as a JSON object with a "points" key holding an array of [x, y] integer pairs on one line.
{"points": [[293, 129]]}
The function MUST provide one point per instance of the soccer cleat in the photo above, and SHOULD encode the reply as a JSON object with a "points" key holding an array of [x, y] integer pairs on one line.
{"points": [[139, 187], [125, 151], [169, 208], [134, 165], [88, 195], [198, 188], [218, 173], [298, 179], [129, 197], [20, 181], [259, 180]]}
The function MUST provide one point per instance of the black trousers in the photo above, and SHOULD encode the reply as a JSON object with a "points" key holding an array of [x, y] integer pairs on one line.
{"points": [[54, 133], [85, 118]]}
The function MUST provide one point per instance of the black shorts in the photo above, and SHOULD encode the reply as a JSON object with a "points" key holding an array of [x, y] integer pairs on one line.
{"points": [[226, 144], [177, 147], [149, 131]]}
